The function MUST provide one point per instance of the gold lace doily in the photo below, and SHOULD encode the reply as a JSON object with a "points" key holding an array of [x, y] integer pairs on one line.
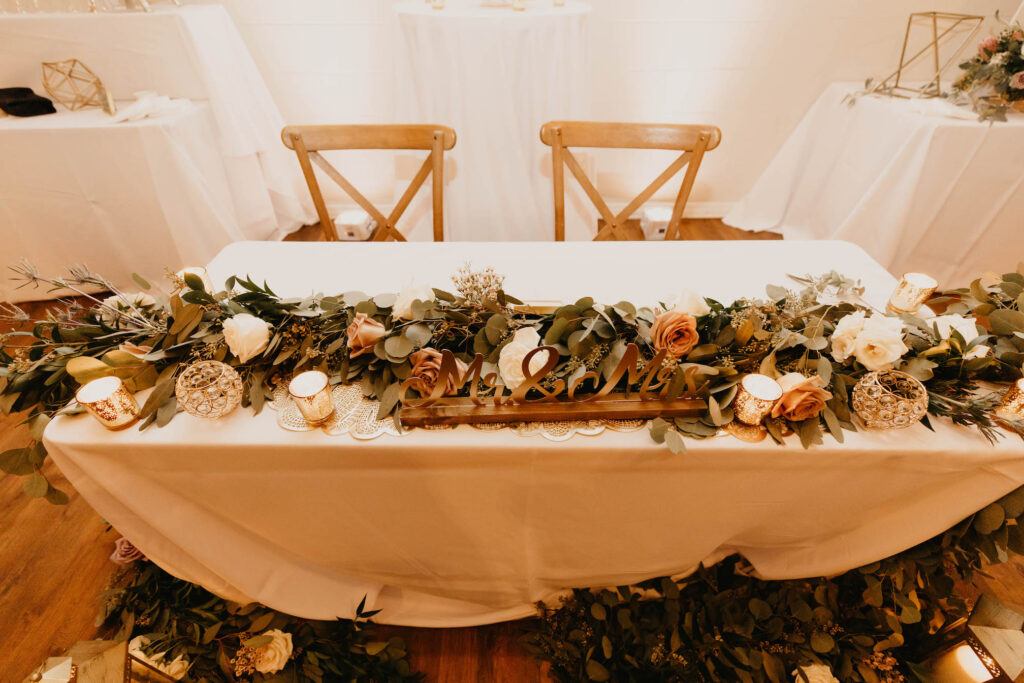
{"points": [[356, 415]]}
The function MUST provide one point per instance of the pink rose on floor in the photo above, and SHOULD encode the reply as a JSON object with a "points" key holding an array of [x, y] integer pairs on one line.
{"points": [[1017, 81], [988, 47], [125, 552], [363, 334]]}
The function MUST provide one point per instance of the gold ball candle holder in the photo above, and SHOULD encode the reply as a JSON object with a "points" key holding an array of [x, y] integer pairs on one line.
{"points": [[209, 388], [1012, 405], [911, 293], [311, 393], [756, 397], [889, 399], [110, 402]]}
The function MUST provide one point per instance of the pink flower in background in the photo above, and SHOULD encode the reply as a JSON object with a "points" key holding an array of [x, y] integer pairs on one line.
{"points": [[1018, 35], [988, 47], [125, 552], [1017, 81]]}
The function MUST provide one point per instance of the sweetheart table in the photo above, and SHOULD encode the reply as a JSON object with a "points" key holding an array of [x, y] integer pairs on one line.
{"points": [[463, 526]]}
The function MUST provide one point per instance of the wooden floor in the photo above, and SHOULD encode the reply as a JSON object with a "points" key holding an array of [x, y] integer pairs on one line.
{"points": [[53, 564]]}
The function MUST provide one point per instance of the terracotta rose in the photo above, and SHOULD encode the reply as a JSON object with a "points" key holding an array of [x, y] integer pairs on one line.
{"points": [[426, 364], [802, 397], [675, 333], [363, 334]]}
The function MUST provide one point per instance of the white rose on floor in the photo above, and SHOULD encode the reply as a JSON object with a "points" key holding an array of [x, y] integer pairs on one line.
{"points": [[246, 335], [175, 669], [275, 654], [402, 309], [688, 301], [880, 344], [510, 359], [814, 673], [845, 335], [968, 329], [118, 303]]}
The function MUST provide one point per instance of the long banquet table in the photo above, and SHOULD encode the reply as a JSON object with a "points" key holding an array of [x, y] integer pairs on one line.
{"points": [[461, 527]]}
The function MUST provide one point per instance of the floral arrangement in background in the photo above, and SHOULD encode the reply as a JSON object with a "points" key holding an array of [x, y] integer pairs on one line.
{"points": [[993, 79]]}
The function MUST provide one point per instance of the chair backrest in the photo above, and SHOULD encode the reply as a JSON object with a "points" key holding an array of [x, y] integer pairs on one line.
{"points": [[308, 141], [692, 141]]}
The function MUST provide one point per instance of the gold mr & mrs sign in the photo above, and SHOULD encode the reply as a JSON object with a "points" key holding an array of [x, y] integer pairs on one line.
{"points": [[557, 400]]}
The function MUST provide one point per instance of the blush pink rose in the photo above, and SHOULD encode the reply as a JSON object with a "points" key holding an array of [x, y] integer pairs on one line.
{"points": [[1018, 35], [675, 333], [988, 47], [125, 552], [363, 334], [1017, 81], [426, 364]]}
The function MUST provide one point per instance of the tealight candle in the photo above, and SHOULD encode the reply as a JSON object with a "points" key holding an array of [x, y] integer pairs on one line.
{"points": [[312, 395], [197, 271], [1012, 405], [110, 402], [961, 665], [911, 293], [756, 398]]}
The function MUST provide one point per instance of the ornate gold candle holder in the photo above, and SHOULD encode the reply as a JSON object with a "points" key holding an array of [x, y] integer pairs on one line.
{"points": [[889, 399], [312, 395], [911, 293], [1012, 405], [756, 398], [110, 402], [209, 388]]}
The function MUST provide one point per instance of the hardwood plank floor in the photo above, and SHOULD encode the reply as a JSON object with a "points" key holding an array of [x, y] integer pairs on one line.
{"points": [[53, 564]]}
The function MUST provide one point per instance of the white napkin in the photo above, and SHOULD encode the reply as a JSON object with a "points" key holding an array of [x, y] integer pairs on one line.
{"points": [[148, 103]]}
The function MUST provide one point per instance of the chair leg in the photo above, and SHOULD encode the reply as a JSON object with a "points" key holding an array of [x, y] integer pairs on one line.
{"points": [[558, 180], [438, 185]]}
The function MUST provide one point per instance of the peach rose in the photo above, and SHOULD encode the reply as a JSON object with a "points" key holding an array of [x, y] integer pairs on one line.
{"points": [[125, 552], [675, 333], [802, 397], [363, 334], [426, 364]]}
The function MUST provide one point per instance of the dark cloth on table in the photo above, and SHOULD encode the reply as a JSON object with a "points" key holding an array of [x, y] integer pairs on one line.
{"points": [[24, 102]]}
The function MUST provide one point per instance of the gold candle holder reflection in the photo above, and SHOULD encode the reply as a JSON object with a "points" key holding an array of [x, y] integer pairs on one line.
{"points": [[1012, 405], [911, 293], [312, 395], [110, 402], [756, 398]]}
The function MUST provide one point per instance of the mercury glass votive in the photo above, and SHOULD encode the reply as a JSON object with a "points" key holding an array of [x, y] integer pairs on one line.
{"points": [[756, 398], [889, 399], [911, 293], [312, 395], [209, 388], [110, 402], [1012, 405]]}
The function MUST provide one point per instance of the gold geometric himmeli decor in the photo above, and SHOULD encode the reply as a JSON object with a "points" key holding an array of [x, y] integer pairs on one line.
{"points": [[941, 29], [75, 86]]}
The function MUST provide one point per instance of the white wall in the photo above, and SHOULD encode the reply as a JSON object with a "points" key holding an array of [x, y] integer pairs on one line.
{"points": [[752, 67]]}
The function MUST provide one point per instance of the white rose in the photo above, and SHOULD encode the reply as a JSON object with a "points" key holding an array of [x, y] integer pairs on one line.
{"points": [[814, 673], [880, 343], [274, 655], [968, 329], [845, 335], [402, 310], [246, 335], [176, 669], [688, 301], [118, 303], [510, 360]]}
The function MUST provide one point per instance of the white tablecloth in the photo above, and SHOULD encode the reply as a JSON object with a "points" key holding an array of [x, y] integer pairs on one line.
{"points": [[495, 76], [121, 198], [193, 52], [462, 527], [919, 190]]}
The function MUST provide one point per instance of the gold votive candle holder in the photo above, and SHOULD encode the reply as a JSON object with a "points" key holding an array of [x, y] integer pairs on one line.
{"points": [[756, 397], [889, 399], [311, 392], [1012, 405], [911, 293], [110, 402]]}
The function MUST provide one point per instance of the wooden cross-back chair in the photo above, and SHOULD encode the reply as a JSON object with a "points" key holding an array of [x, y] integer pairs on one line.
{"points": [[693, 141], [308, 141]]}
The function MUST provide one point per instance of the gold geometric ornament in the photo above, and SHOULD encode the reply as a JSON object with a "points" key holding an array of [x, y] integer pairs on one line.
{"points": [[75, 86]]}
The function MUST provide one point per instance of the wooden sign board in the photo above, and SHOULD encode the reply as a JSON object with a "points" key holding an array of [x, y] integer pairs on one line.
{"points": [[553, 400]]}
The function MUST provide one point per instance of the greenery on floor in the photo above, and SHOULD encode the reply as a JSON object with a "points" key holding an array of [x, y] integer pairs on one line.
{"points": [[721, 624], [223, 641]]}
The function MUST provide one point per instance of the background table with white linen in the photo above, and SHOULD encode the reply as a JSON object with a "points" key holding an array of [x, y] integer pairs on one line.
{"points": [[921, 185], [120, 198], [496, 75], [194, 52], [460, 527]]}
